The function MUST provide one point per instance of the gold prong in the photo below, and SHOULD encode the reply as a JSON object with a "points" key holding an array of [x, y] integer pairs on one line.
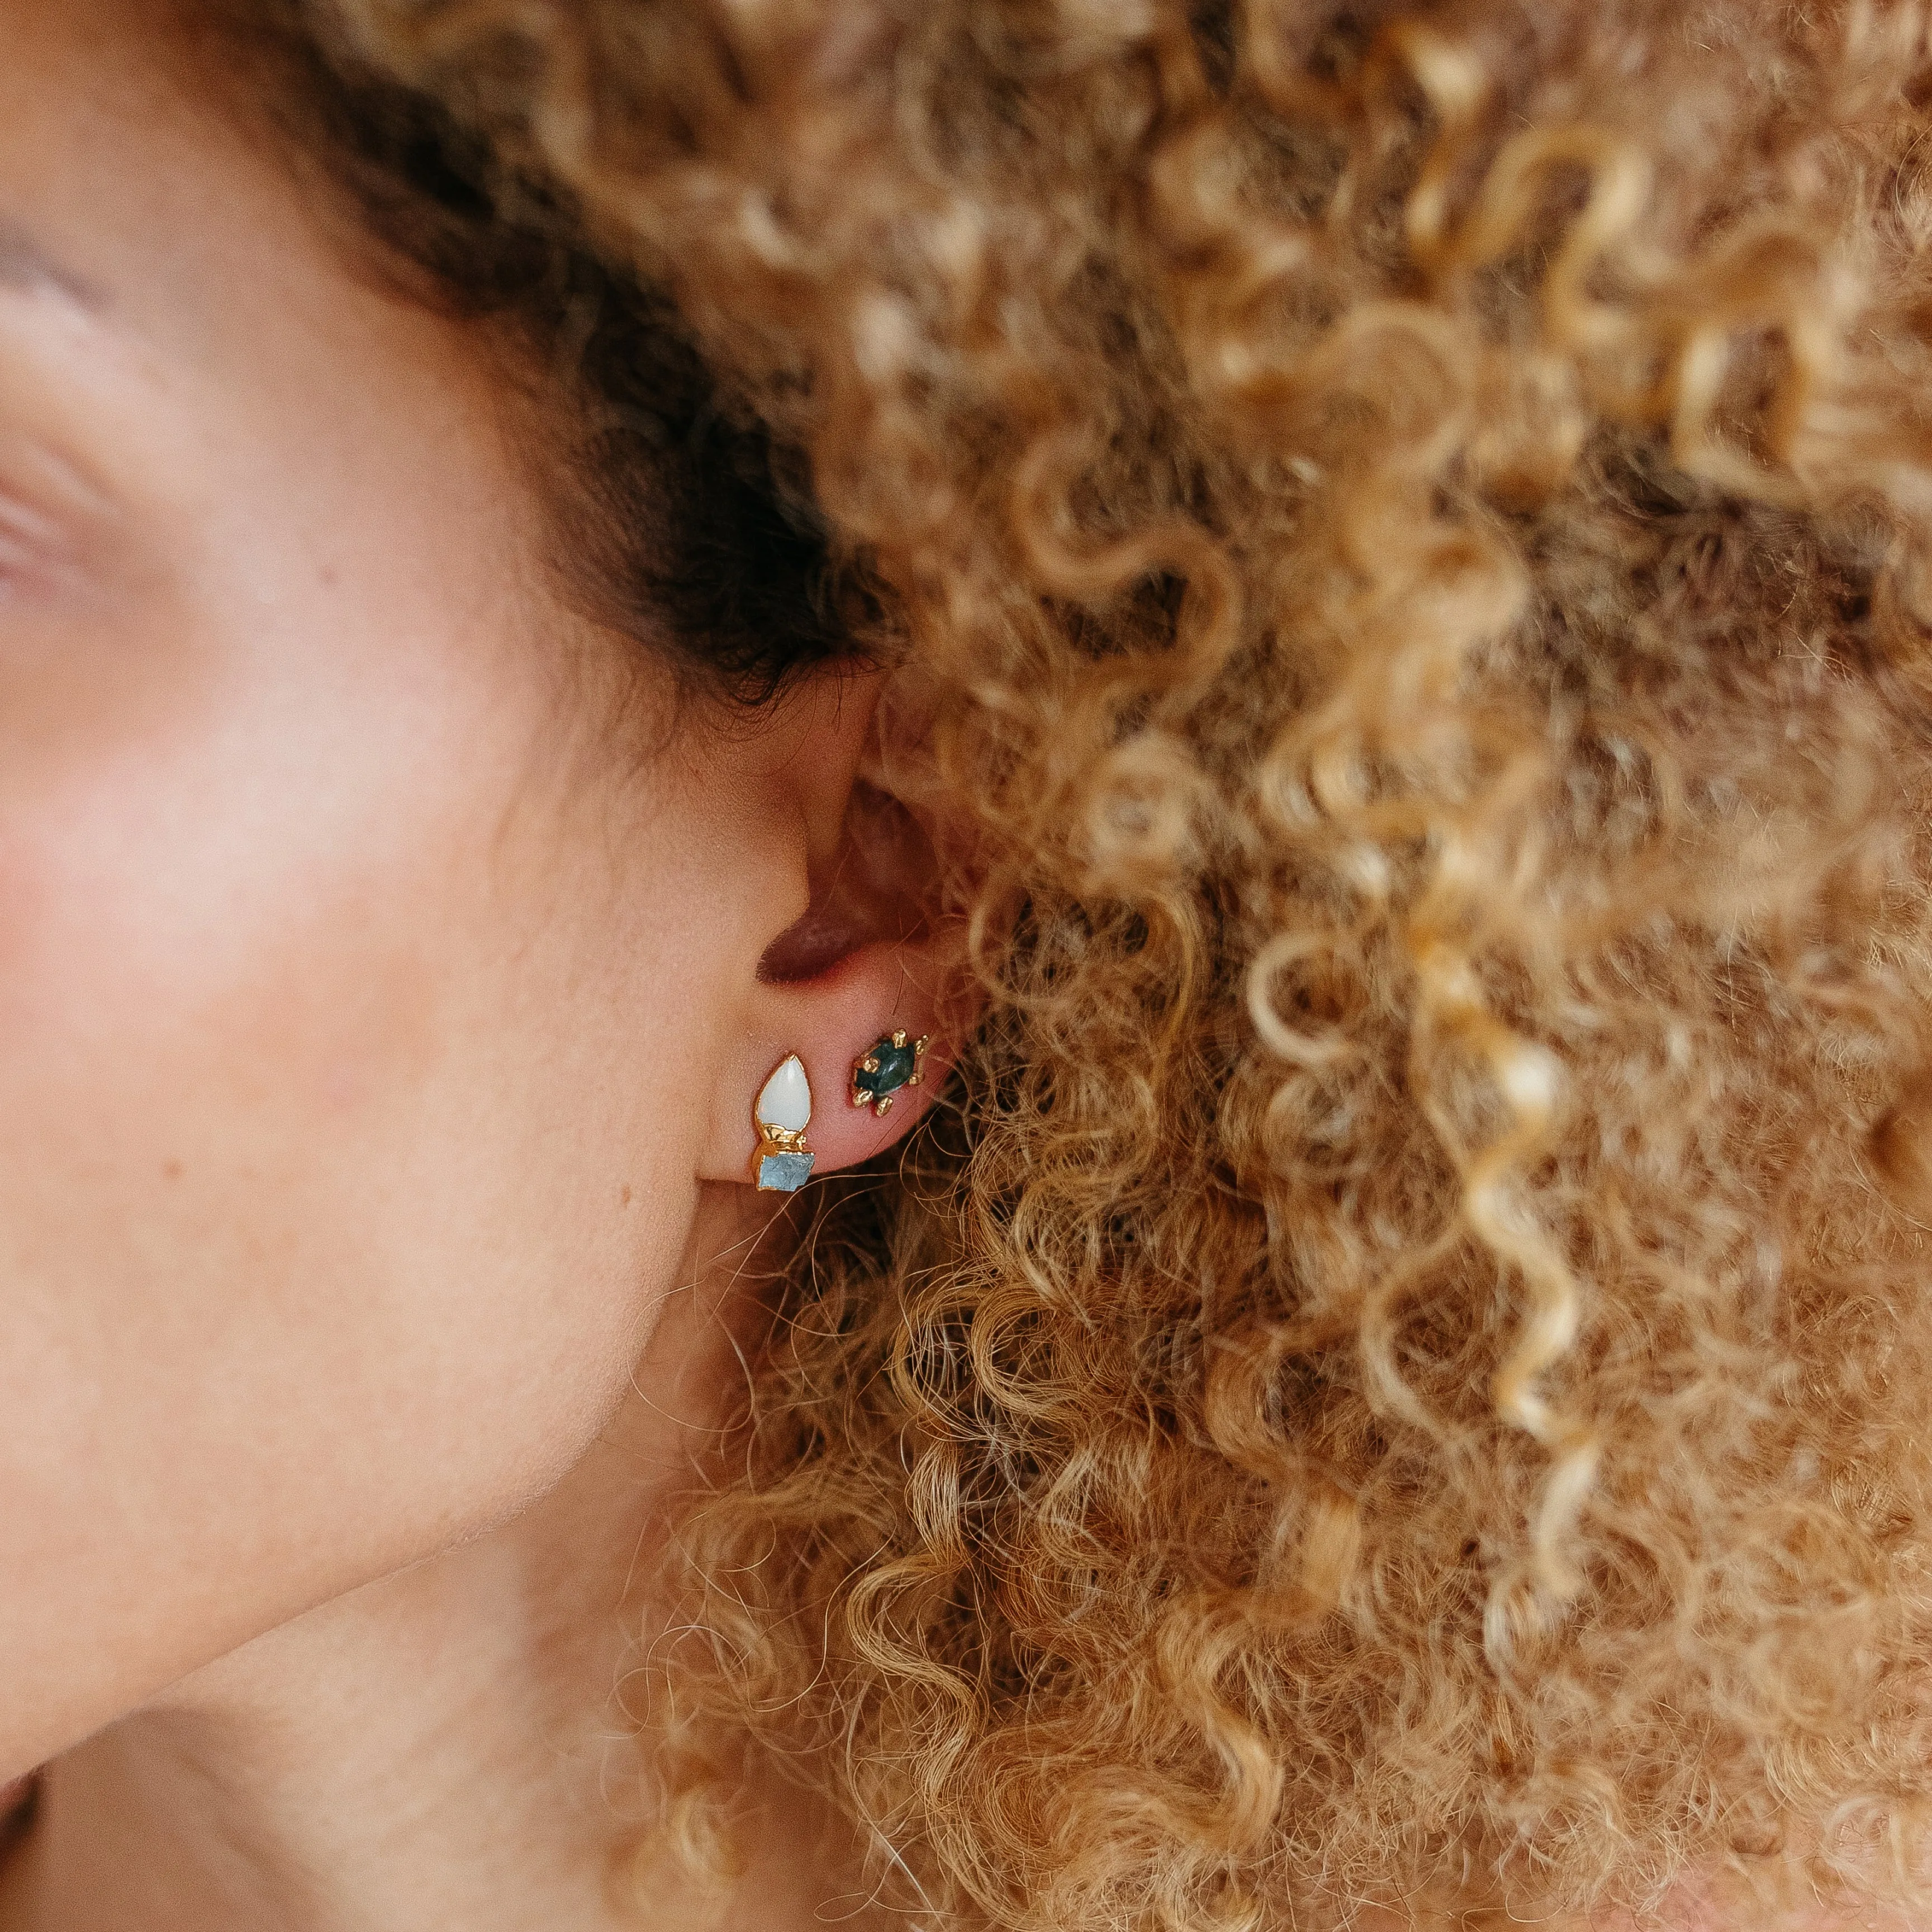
{"points": [[868, 1065], [899, 1036], [885, 1101], [915, 1080]]}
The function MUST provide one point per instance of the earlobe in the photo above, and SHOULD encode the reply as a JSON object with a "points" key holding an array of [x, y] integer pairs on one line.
{"points": [[804, 1060], [784, 1158]]}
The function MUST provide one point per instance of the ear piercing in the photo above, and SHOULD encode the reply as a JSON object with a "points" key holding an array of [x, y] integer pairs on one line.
{"points": [[783, 1162], [888, 1064], [783, 1109]]}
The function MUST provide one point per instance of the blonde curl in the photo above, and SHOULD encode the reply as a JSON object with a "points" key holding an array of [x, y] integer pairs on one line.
{"points": [[1398, 1378]]}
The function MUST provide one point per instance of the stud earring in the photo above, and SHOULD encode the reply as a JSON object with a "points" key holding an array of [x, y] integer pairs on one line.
{"points": [[783, 1162], [888, 1064]]}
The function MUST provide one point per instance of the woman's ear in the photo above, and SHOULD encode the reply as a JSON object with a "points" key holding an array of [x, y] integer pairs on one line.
{"points": [[861, 990]]}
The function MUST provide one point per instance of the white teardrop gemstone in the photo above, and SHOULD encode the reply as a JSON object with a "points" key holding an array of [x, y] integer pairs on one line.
{"points": [[786, 1100]]}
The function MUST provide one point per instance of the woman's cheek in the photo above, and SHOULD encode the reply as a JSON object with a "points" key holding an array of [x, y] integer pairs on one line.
{"points": [[247, 920]]}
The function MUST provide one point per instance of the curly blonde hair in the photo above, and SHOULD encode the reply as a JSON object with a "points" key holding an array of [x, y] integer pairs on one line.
{"points": [[1402, 1381]]}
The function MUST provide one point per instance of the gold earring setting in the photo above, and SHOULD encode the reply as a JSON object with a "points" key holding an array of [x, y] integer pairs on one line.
{"points": [[781, 1112], [890, 1064]]}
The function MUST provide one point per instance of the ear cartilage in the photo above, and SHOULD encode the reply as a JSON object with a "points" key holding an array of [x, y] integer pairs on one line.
{"points": [[889, 1064], [783, 1162]]}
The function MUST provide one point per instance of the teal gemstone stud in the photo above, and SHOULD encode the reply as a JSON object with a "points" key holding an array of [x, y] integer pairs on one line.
{"points": [[891, 1062], [781, 1112]]}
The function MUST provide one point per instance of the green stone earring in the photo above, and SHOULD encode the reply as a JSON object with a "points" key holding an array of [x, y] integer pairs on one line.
{"points": [[888, 1064], [781, 1112]]}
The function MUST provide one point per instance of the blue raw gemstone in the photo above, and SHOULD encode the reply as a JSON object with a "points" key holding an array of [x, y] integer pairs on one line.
{"points": [[784, 1173], [896, 1066]]}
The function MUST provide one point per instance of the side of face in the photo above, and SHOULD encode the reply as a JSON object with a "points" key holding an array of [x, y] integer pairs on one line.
{"points": [[362, 1015]]}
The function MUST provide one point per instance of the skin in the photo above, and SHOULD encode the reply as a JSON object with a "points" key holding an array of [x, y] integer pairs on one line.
{"points": [[382, 1013]]}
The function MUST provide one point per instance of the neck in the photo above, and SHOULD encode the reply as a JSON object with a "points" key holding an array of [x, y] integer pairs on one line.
{"points": [[442, 1747]]}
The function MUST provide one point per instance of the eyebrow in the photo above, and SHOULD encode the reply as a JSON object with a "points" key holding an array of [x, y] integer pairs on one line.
{"points": [[27, 269]]}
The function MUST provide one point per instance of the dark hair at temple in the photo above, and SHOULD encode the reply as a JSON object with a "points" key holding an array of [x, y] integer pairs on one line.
{"points": [[679, 520]]}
